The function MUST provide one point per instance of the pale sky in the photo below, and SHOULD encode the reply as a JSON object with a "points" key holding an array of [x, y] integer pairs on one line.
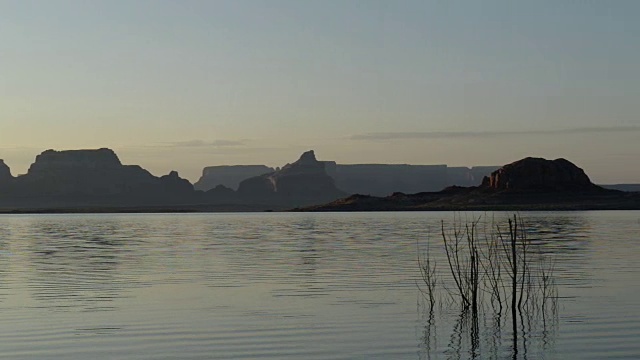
{"points": [[179, 85]]}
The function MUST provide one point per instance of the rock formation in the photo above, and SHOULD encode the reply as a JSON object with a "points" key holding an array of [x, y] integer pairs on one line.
{"points": [[303, 182], [173, 183], [52, 160], [5, 173], [527, 184], [464, 176], [370, 179], [92, 177], [229, 176], [539, 175], [384, 179]]}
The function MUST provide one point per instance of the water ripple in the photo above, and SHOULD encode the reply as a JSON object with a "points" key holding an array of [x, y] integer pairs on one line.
{"points": [[289, 286]]}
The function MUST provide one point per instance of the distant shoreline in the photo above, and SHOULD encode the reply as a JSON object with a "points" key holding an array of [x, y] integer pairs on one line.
{"points": [[140, 209], [478, 199], [250, 209]]}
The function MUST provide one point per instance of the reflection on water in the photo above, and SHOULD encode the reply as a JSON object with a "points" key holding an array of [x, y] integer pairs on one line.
{"points": [[74, 265], [5, 254], [295, 286], [488, 335]]}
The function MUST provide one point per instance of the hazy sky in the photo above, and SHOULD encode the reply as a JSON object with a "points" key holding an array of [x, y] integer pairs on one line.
{"points": [[185, 84]]}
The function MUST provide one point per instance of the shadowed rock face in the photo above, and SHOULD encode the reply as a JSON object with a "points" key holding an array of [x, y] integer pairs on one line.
{"points": [[79, 177], [371, 179], [229, 176], [303, 182], [70, 160], [384, 179], [539, 174], [5, 173]]}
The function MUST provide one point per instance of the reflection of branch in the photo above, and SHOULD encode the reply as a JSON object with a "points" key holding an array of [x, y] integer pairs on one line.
{"points": [[475, 335], [428, 333], [428, 274], [455, 341], [492, 268]]}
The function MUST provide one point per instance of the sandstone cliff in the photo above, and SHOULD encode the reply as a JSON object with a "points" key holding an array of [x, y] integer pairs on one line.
{"points": [[539, 174]]}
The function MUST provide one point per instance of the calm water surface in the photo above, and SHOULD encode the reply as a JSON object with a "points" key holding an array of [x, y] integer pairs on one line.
{"points": [[292, 286]]}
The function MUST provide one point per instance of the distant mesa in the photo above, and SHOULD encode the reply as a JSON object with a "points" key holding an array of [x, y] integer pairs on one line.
{"points": [[96, 179], [229, 176], [385, 179], [90, 177], [70, 160], [370, 179], [527, 184], [302, 182], [539, 174]]}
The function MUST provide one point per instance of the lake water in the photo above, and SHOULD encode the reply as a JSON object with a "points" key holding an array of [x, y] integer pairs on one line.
{"points": [[294, 286]]}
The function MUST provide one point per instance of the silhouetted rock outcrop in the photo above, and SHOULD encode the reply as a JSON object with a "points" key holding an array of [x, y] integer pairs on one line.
{"points": [[465, 176], [221, 195], [92, 177], [228, 175], [384, 179], [527, 184], [5, 173], [539, 174], [60, 161], [303, 182], [371, 179], [173, 183]]}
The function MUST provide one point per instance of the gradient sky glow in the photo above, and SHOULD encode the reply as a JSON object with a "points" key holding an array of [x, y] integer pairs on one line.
{"points": [[185, 84]]}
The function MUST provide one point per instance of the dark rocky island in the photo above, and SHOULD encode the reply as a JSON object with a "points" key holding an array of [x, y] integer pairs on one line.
{"points": [[527, 184]]}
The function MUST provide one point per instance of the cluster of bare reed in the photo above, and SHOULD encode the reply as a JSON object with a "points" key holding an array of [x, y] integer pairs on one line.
{"points": [[490, 266]]}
